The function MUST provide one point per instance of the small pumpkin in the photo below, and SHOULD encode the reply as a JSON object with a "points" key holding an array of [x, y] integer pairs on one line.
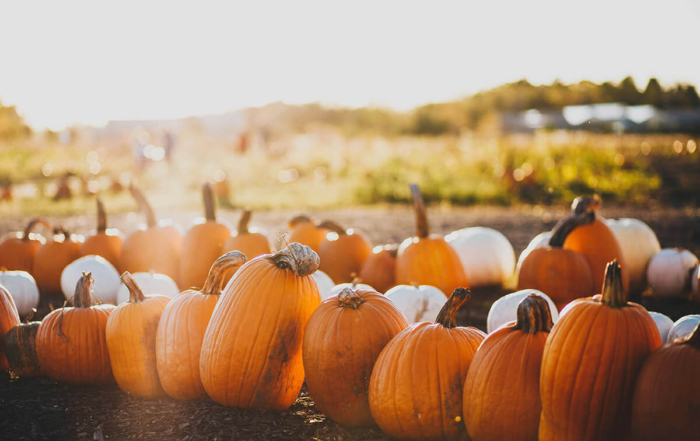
{"points": [[670, 272], [428, 259], [379, 269], [23, 288], [683, 327], [17, 250], [70, 342], [105, 242], [486, 254], [505, 309], [663, 324], [502, 389], [20, 349], [355, 284], [131, 340], [539, 241], [8, 319], [203, 243], [106, 278], [415, 391], [249, 241], [324, 283], [150, 283], [304, 230], [181, 331], [343, 252], [343, 339], [251, 354], [418, 303], [52, 258], [638, 243]]}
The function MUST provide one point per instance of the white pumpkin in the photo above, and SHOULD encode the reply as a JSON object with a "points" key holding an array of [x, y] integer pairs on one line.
{"points": [[325, 284], [505, 309], [486, 254], [663, 324], [150, 283], [639, 244], [337, 288], [106, 278], [683, 327], [669, 272], [22, 287], [418, 303], [539, 241]]}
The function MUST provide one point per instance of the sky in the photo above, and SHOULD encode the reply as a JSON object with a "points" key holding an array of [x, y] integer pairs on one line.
{"points": [[87, 62]]}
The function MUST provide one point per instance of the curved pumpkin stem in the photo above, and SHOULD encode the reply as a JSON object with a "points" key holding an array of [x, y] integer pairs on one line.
{"points": [[422, 228], [586, 204], [31, 315], [209, 203], [101, 217], [613, 294], [217, 273], [299, 219], [333, 226], [135, 293], [33, 224], [565, 226], [448, 313], [694, 338], [297, 257], [144, 206], [348, 298], [533, 315], [83, 291], [60, 231], [244, 221]]}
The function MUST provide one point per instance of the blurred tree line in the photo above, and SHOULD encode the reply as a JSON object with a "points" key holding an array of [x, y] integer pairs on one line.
{"points": [[12, 125]]}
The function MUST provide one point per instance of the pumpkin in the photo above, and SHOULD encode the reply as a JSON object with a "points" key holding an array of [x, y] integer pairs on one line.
{"points": [[105, 242], [251, 242], [670, 271], [251, 354], [53, 257], [683, 327], [324, 283], [131, 340], [8, 319], [379, 269], [667, 393], [539, 241], [505, 309], [70, 342], [590, 364], [663, 324], [638, 243], [106, 278], [486, 254], [343, 339], [202, 244], [415, 391], [150, 283], [18, 249], [355, 284], [418, 303], [595, 241], [181, 331], [157, 246], [343, 252], [695, 283], [23, 288], [562, 274], [428, 259], [502, 389], [20, 349], [304, 230]]}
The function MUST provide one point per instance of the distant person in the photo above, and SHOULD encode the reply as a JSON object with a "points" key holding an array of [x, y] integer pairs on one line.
{"points": [[169, 146], [140, 141]]}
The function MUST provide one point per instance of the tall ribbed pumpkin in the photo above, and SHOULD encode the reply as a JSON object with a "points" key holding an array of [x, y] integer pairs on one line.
{"points": [[304, 230], [53, 257], [417, 383], [428, 259], [8, 319], [71, 344], [181, 331], [502, 389], [342, 341], [203, 244], [106, 242], [131, 340], [251, 355], [18, 249], [590, 365], [343, 252]]}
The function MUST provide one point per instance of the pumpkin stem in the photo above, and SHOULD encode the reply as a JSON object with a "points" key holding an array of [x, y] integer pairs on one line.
{"points": [[533, 315], [422, 228], [613, 294], [215, 279], [300, 219], [144, 206], [565, 226], [101, 217], [31, 315], [348, 298], [694, 338], [61, 231], [33, 224], [83, 291], [135, 293], [297, 257], [244, 221], [209, 204], [333, 226], [355, 280], [447, 314], [583, 204]]}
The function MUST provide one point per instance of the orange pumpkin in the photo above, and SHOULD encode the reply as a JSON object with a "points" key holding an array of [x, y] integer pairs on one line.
{"points": [[428, 259], [250, 242], [304, 230], [131, 340], [8, 319], [20, 349], [502, 388], [181, 331], [343, 252], [71, 345], [202, 244], [416, 387], [251, 354], [342, 341], [379, 269], [590, 365], [106, 242], [53, 257], [17, 251]]}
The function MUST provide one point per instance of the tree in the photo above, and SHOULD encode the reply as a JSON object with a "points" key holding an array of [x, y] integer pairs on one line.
{"points": [[629, 94], [12, 125], [653, 94]]}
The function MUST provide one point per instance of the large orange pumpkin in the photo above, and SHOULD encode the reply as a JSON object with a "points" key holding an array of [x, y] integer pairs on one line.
{"points": [[181, 331], [304, 230], [18, 249], [342, 341], [202, 244], [71, 344], [417, 383], [251, 354], [131, 340], [343, 252], [428, 259], [502, 389], [8, 319], [106, 242], [52, 257], [379, 270], [590, 365]]}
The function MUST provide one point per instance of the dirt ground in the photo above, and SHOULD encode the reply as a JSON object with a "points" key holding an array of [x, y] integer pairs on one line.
{"points": [[40, 409]]}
